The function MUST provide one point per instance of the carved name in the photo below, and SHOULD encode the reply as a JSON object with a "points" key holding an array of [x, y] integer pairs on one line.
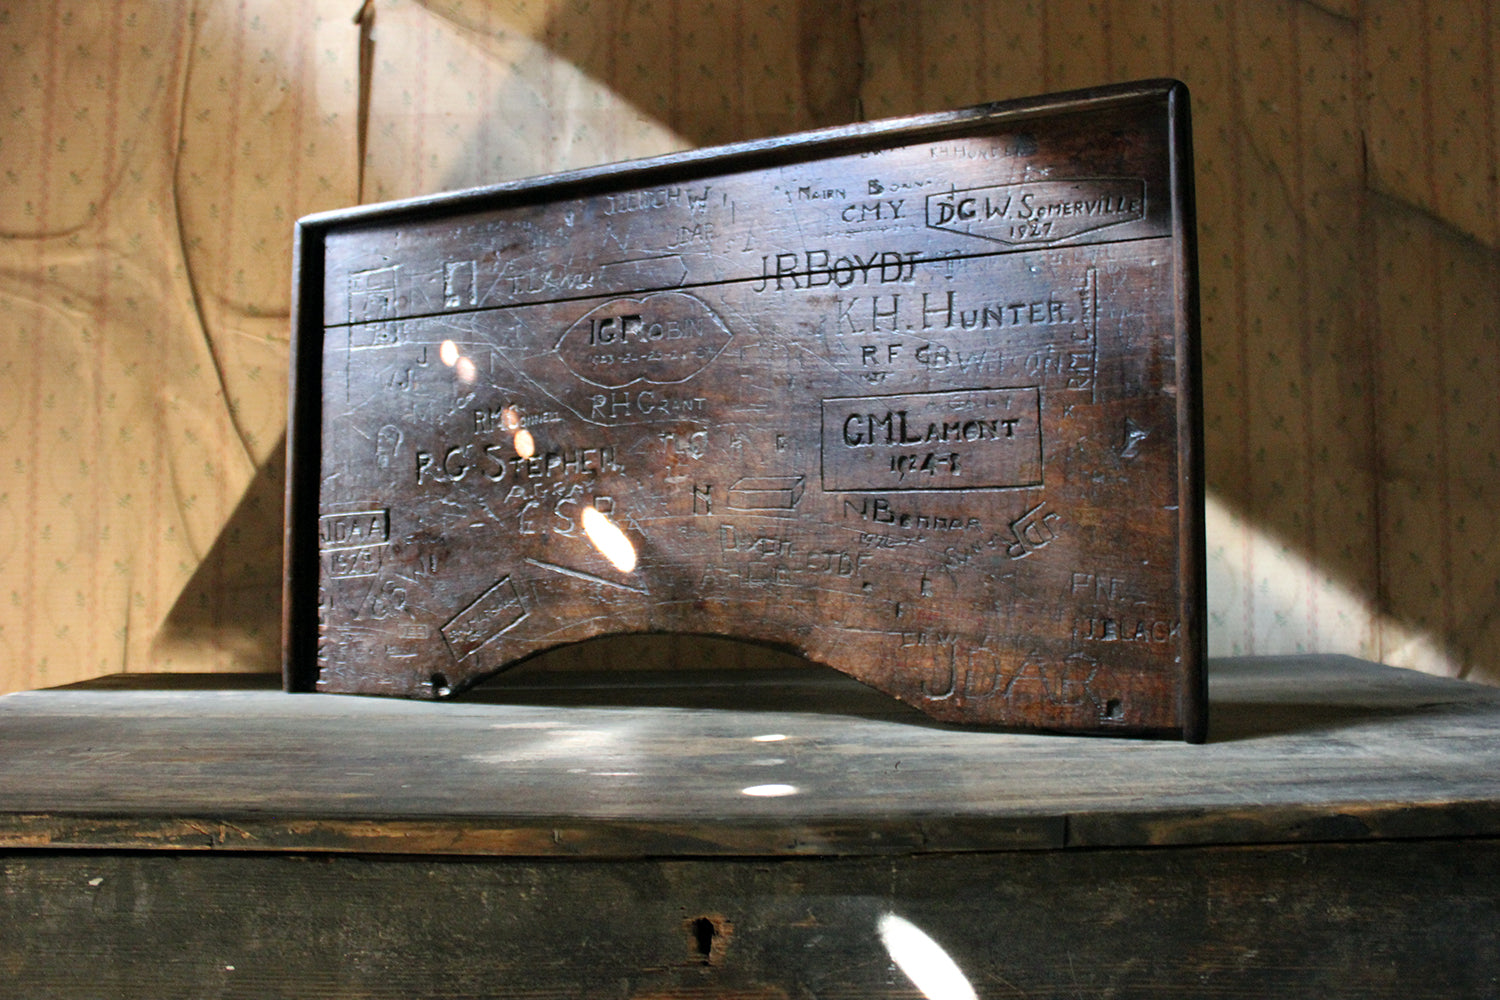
{"points": [[964, 439], [1040, 211]]}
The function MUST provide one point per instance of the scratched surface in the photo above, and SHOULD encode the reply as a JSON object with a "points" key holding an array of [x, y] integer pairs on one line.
{"points": [[916, 401]]}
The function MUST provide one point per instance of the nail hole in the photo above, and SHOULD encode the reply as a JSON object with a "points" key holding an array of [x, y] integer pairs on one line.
{"points": [[440, 686], [1113, 709]]}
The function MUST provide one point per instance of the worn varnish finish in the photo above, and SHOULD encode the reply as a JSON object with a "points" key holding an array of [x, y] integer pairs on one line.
{"points": [[916, 399]]}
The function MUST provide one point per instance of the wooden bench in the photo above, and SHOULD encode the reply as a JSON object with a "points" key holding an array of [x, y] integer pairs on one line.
{"points": [[755, 834]]}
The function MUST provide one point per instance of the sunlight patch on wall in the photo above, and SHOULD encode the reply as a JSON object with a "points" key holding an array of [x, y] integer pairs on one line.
{"points": [[1266, 598]]}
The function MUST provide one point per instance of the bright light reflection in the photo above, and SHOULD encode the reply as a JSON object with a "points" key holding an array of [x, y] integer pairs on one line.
{"points": [[923, 960], [448, 352], [608, 539], [525, 443], [511, 418], [769, 791], [768, 738], [466, 370]]}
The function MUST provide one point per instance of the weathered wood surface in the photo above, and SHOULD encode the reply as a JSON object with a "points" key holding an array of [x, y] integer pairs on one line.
{"points": [[758, 763], [1416, 919], [916, 399]]}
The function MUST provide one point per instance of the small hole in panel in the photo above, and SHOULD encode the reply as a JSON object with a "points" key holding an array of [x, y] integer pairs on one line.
{"points": [[1114, 710], [704, 932], [440, 686]]}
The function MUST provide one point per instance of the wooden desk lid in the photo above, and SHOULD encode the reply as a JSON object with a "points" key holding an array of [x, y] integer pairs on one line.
{"points": [[917, 399]]}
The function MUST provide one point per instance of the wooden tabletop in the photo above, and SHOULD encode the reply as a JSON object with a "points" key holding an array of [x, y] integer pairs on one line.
{"points": [[755, 763]]}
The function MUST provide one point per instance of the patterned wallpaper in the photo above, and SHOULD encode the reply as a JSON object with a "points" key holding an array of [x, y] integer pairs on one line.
{"points": [[153, 156]]}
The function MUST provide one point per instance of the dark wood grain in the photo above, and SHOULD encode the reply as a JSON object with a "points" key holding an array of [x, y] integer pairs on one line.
{"points": [[917, 400], [590, 835], [1362, 921], [622, 764]]}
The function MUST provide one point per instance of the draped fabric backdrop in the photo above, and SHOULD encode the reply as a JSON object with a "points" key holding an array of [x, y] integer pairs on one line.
{"points": [[153, 156]]}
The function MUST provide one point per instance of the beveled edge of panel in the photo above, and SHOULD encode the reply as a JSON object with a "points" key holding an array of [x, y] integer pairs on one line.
{"points": [[304, 440], [750, 154], [1192, 571]]}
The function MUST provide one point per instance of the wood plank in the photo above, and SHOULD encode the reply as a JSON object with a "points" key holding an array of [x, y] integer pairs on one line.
{"points": [[1366, 921], [760, 763]]}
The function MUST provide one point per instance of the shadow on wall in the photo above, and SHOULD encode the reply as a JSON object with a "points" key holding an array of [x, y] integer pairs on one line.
{"points": [[1349, 338], [232, 602]]}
